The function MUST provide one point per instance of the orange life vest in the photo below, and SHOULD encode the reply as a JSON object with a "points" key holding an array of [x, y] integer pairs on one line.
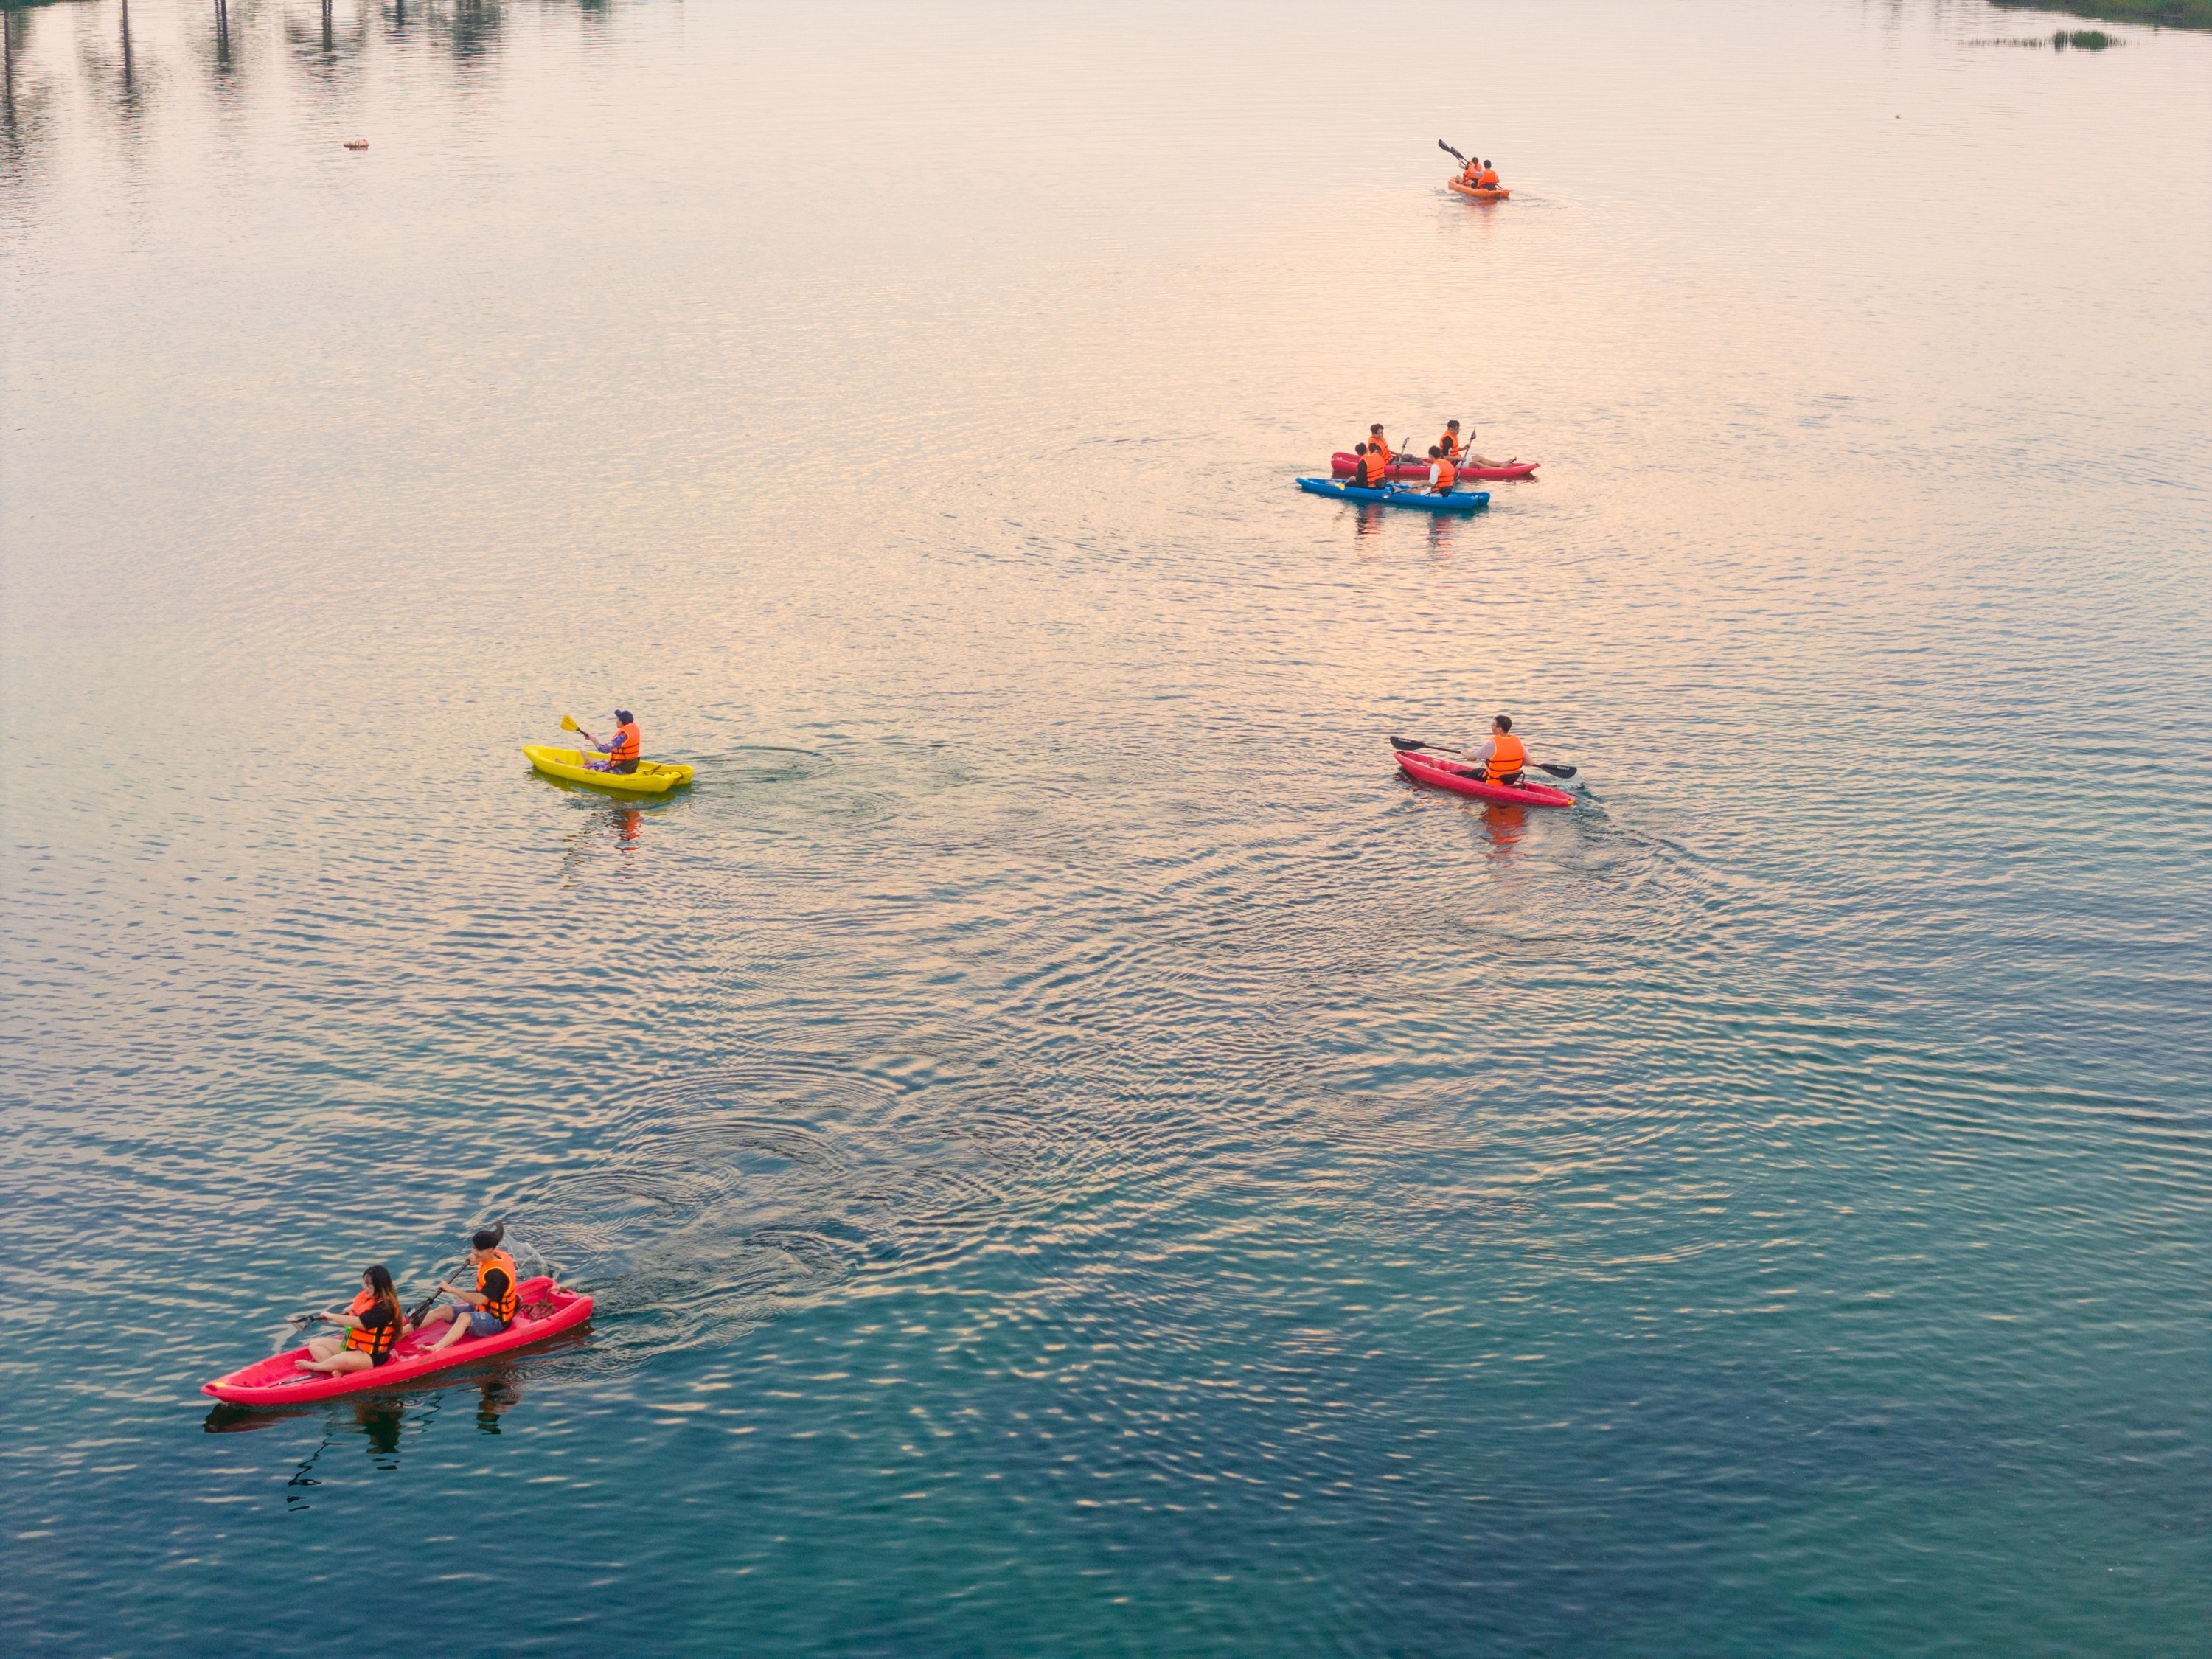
{"points": [[1447, 475], [1489, 180], [1374, 469], [1449, 444], [627, 743], [501, 1308], [1508, 755], [375, 1341]]}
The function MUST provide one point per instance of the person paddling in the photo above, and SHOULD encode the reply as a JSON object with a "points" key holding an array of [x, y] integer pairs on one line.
{"points": [[1502, 757], [1450, 443], [1471, 174], [1443, 474], [621, 752], [374, 1325], [490, 1307]]}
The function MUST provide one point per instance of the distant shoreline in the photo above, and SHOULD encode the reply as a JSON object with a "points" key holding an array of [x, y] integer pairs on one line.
{"points": [[2168, 14]]}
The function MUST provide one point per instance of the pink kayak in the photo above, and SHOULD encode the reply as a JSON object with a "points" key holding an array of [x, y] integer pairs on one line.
{"points": [[1343, 466], [1422, 769], [542, 1309]]}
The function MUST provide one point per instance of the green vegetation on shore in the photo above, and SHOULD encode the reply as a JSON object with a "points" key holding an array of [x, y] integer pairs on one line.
{"points": [[2169, 14]]}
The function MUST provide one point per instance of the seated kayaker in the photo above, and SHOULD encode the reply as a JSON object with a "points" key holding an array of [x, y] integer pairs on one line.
{"points": [[1489, 180], [490, 1307], [1450, 442], [622, 752], [1373, 471], [1376, 440], [374, 1325], [1503, 756], [1471, 174], [1442, 475]]}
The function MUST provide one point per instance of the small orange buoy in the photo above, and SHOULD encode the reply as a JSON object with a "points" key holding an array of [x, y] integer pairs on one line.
{"points": [[356, 143]]}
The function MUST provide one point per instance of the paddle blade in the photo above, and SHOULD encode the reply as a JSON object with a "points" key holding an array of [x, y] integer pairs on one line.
{"points": [[568, 723], [1556, 771], [1406, 742]]}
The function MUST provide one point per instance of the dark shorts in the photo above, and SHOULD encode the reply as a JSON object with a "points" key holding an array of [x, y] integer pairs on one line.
{"points": [[484, 1324]]}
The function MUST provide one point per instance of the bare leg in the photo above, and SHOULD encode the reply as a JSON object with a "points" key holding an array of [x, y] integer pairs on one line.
{"points": [[461, 1328], [322, 1347], [346, 1359]]}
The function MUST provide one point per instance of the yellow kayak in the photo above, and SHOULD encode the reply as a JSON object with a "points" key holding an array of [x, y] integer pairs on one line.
{"points": [[651, 778]]}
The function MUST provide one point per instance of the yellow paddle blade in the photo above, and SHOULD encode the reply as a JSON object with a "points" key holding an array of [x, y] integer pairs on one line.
{"points": [[568, 723]]}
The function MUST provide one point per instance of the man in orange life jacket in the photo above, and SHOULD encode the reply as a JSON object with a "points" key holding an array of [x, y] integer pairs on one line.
{"points": [[1489, 180], [1373, 471], [490, 1306], [1443, 474], [1503, 756], [622, 751]]}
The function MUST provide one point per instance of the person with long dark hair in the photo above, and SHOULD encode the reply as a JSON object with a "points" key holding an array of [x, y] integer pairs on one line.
{"points": [[373, 1326]]}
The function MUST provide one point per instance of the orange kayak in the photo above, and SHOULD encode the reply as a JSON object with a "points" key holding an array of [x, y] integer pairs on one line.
{"points": [[1476, 193]]}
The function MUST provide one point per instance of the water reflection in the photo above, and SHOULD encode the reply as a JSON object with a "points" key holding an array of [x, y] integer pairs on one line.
{"points": [[120, 64], [1505, 825], [618, 821], [378, 1421]]}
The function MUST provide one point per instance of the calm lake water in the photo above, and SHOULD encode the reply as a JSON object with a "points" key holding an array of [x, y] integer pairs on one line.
{"points": [[1075, 1155]]}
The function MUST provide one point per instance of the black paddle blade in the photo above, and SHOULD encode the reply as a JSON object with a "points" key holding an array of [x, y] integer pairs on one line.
{"points": [[1556, 771], [1447, 149], [1406, 742]]}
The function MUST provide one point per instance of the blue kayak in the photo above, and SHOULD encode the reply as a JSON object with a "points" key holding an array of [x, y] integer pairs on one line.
{"points": [[1459, 501]]}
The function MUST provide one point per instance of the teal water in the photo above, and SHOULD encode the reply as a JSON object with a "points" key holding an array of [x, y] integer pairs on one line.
{"points": [[1073, 1154]]}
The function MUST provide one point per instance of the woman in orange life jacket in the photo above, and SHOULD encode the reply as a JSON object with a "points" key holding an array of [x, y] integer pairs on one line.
{"points": [[490, 1307], [1373, 472], [374, 1325], [1471, 174], [1442, 475], [1503, 756], [622, 751]]}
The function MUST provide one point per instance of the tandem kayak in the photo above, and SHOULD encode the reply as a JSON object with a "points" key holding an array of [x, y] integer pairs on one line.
{"points": [[651, 778], [1475, 193], [1344, 464], [1422, 769], [1459, 501], [543, 1309]]}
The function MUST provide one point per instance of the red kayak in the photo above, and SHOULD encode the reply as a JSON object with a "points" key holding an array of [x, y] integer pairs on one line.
{"points": [[1345, 465], [542, 1309], [1444, 776]]}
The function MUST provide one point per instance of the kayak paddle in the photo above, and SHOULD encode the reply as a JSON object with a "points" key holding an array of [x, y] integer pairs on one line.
{"points": [[568, 724], [1449, 151], [1437, 748]]}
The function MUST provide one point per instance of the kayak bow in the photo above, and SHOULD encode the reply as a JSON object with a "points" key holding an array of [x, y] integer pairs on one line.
{"points": [[542, 1309], [1459, 501]]}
